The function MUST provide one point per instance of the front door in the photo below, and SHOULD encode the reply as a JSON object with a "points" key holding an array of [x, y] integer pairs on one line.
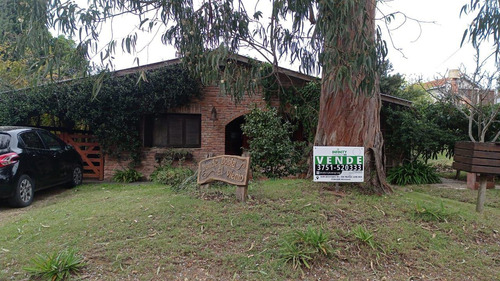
{"points": [[234, 137]]}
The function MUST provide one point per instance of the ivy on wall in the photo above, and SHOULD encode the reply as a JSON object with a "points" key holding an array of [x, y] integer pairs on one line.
{"points": [[299, 104], [113, 115]]}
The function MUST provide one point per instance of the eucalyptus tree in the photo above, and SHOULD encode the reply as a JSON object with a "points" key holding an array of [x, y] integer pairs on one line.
{"points": [[337, 37], [29, 53], [485, 27]]}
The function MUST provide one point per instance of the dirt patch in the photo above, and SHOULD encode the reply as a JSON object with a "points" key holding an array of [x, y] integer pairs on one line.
{"points": [[451, 183], [42, 198]]}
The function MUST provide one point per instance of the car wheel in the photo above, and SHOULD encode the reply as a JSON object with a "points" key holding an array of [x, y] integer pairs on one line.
{"points": [[24, 192], [76, 176]]}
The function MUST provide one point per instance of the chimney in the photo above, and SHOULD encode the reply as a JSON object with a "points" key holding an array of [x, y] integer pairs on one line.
{"points": [[454, 74]]}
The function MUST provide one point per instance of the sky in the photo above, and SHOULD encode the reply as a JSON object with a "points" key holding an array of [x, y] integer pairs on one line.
{"points": [[428, 49], [419, 50]]}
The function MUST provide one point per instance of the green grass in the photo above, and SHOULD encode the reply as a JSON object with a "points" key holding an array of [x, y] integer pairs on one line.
{"points": [[149, 232], [441, 160]]}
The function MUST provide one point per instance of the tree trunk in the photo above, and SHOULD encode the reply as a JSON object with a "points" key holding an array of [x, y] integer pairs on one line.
{"points": [[350, 119], [348, 115]]}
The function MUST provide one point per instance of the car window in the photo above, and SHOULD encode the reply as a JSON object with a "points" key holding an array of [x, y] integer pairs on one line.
{"points": [[51, 141], [4, 141], [32, 140]]}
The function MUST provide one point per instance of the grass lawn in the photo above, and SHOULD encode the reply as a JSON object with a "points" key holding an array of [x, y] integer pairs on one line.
{"points": [[149, 232]]}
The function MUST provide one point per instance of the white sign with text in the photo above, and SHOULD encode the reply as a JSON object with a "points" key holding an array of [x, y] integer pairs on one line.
{"points": [[338, 163]]}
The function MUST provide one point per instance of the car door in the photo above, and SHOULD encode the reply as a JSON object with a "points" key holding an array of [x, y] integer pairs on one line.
{"points": [[57, 151], [39, 161]]}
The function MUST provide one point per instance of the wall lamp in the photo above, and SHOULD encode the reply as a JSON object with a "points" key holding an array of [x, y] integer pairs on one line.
{"points": [[213, 114]]}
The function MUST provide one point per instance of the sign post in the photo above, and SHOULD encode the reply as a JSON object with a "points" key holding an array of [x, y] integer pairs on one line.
{"points": [[338, 164], [226, 168]]}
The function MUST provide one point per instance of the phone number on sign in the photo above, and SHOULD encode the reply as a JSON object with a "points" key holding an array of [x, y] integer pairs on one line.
{"points": [[338, 168]]}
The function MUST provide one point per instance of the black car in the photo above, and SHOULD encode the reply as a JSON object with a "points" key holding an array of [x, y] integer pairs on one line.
{"points": [[32, 159]]}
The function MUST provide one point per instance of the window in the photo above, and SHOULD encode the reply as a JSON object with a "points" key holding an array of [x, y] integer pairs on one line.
{"points": [[52, 142], [32, 140], [173, 130], [4, 141]]}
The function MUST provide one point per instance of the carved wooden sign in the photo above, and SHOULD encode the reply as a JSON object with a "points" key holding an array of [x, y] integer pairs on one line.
{"points": [[226, 168]]}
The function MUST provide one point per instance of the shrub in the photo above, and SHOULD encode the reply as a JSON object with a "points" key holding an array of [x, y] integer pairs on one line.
{"points": [[415, 172], [301, 247], [167, 174], [271, 148], [172, 155], [56, 266], [128, 175]]}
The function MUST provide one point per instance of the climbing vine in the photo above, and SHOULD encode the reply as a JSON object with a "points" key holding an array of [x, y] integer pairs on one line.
{"points": [[299, 104], [113, 115]]}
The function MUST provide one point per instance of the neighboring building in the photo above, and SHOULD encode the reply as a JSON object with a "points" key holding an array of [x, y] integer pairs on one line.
{"points": [[461, 89]]}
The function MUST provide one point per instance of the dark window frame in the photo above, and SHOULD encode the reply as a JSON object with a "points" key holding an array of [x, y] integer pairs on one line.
{"points": [[22, 137], [5, 140], [149, 127], [46, 137]]}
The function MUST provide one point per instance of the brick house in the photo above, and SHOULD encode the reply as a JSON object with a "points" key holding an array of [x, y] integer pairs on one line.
{"points": [[208, 126]]}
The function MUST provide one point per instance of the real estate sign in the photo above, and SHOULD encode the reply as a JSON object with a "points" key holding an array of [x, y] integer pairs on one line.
{"points": [[338, 164]]}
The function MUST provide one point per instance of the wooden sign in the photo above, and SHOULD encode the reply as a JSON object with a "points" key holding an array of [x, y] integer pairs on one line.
{"points": [[226, 168]]}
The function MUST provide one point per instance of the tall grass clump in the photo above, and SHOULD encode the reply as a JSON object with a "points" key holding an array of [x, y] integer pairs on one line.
{"points": [[302, 247], [429, 213], [56, 266], [364, 236]]}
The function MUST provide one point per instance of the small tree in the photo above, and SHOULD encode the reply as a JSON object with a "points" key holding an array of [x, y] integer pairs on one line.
{"points": [[474, 97], [273, 152]]}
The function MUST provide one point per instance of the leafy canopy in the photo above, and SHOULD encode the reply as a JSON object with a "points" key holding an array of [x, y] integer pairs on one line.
{"points": [[29, 62], [485, 26], [304, 31]]}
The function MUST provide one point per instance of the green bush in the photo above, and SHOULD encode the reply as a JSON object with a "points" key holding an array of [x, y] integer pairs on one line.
{"points": [[56, 266], [128, 175], [167, 174], [271, 148], [415, 172]]}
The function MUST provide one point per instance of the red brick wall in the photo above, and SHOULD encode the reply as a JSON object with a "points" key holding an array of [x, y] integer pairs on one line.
{"points": [[212, 131]]}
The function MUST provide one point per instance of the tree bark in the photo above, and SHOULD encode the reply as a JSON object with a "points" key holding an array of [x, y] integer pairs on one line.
{"points": [[350, 117]]}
